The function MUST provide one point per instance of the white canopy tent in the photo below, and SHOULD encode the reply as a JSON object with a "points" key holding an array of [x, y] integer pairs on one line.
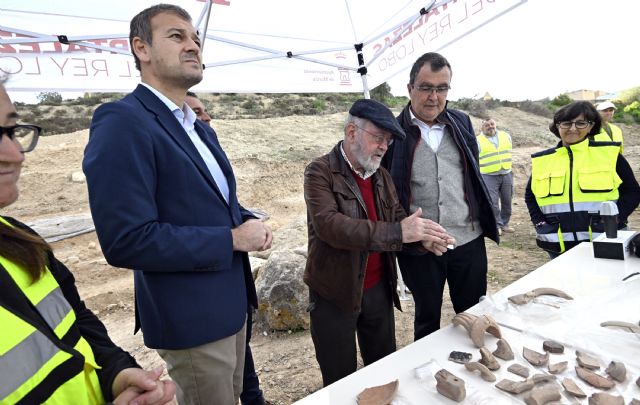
{"points": [[250, 46]]}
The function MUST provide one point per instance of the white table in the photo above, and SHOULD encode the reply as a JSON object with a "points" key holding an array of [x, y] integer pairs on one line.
{"points": [[592, 282]]}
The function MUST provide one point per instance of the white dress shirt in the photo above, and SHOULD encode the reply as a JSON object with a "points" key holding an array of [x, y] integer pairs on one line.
{"points": [[432, 135]]}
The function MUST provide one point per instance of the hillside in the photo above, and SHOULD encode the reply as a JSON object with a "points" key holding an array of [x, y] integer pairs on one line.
{"points": [[268, 156]]}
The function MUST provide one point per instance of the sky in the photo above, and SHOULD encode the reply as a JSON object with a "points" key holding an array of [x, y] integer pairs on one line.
{"points": [[544, 48], [540, 49]]}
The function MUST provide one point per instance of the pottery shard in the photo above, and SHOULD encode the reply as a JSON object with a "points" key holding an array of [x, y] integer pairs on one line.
{"points": [[535, 358], [558, 368], [450, 386], [503, 351], [552, 347], [476, 326], [587, 361], [521, 299], [542, 378], [542, 395], [617, 371], [634, 402], [380, 395], [485, 373], [572, 388], [519, 369], [515, 387], [488, 359], [460, 357], [602, 398], [593, 379]]}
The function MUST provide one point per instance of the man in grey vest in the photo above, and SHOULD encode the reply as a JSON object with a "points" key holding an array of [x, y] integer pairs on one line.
{"points": [[436, 168]]}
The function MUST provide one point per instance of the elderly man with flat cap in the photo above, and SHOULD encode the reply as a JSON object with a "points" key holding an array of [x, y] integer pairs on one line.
{"points": [[355, 226]]}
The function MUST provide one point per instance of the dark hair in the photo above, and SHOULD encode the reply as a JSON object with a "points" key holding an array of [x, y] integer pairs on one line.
{"points": [[140, 25], [571, 111], [24, 249], [191, 94], [435, 61]]}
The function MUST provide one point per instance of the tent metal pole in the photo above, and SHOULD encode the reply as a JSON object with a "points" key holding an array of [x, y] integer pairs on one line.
{"points": [[203, 34]]}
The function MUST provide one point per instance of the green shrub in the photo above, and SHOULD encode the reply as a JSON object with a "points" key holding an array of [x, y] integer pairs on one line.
{"points": [[49, 98]]}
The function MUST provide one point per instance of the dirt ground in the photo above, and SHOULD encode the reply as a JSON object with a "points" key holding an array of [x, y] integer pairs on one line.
{"points": [[268, 156]]}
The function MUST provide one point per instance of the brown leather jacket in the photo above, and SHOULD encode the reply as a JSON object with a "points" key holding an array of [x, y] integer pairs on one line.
{"points": [[341, 236]]}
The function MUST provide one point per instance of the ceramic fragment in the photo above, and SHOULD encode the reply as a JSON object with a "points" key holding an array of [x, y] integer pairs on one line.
{"points": [[476, 326], [379, 395], [450, 386], [535, 358], [485, 373], [504, 351]]}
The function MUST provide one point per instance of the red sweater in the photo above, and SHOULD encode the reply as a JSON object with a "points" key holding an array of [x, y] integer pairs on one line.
{"points": [[373, 272]]}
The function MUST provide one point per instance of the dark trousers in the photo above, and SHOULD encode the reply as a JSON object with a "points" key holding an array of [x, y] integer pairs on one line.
{"points": [[251, 392], [334, 332], [464, 268]]}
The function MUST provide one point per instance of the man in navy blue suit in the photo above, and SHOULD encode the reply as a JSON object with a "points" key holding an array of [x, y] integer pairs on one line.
{"points": [[163, 199]]}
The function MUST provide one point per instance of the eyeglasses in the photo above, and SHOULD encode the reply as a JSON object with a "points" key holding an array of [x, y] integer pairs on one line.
{"points": [[26, 136], [439, 90], [377, 138], [581, 124]]}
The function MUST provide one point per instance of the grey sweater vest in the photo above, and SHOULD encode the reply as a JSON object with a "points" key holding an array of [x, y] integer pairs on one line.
{"points": [[437, 185]]}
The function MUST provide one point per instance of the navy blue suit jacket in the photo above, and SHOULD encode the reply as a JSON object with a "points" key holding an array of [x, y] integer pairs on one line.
{"points": [[157, 210]]}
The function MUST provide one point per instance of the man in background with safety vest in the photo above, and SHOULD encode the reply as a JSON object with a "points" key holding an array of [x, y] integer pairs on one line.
{"points": [[495, 166], [608, 132]]}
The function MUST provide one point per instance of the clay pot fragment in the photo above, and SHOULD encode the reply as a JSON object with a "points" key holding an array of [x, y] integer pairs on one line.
{"points": [[488, 359], [535, 358], [558, 368], [542, 395], [476, 326], [602, 398], [552, 346], [521, 299], [515, 387], [617, 371], [504, 351], [572, 388], [542, 378], [485, 373], [593, 379], [460, 357], [587, 361], [450, 386], [379, 395], [519, 369], [626, 326]]}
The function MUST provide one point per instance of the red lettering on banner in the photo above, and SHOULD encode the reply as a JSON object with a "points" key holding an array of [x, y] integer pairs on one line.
{"points": [[221, 2], [6, 48], [77, 48], [119, 44]]}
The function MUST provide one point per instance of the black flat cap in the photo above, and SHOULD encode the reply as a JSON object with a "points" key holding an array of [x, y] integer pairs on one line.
{"points": [[379, 114]]}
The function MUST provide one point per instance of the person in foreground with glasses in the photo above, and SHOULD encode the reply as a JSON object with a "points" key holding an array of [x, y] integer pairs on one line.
{"points": [[569, 182], [436, 169], [55, 350], [355, 224]]}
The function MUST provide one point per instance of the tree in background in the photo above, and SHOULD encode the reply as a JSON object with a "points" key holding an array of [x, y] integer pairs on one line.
{"points": [[382, 93], [559, 101], [50, 98]]}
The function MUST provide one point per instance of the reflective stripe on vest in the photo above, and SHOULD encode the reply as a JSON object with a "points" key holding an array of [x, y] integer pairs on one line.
{"points": [[494, 159], [616, 135], [33, 367], [570, 183]]}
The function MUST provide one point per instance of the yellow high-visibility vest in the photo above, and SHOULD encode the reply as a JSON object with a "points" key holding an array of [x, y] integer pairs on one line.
{"points": [[569, 184], [616, 135], [494, 159], [35, 368]]}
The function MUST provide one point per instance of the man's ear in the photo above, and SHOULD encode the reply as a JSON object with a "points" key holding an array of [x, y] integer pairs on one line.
{"points": [[141, 49], [350, 132]]}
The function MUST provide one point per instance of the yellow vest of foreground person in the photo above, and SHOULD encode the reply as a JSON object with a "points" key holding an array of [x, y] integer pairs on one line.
{"points": [[569, 184], [32, 364], [494, 159], [616, 135]]}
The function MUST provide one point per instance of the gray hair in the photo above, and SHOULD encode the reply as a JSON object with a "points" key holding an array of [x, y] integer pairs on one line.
{"points": [[141, 24], [352, 119]]}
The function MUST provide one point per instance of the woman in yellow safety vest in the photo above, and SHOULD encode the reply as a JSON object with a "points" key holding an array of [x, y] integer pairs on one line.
{"points": [[569, 182], [53, 350]]}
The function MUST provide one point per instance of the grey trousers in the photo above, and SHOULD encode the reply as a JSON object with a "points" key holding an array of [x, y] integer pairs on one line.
{"points": [[210, 373], [500, 188]]}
